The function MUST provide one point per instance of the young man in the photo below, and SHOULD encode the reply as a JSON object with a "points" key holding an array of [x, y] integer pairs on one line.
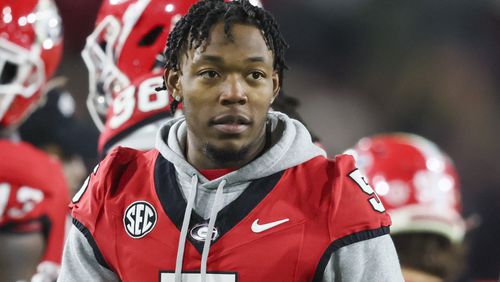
{"points": [[33, 191], [419, 186], [231, 192]]}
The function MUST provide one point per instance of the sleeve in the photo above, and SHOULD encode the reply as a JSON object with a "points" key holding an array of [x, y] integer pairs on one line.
{"points": [[360, 245], [79, 262], [355, 207], [57, 215], [372, 260], [88, 203], [93, 220]]}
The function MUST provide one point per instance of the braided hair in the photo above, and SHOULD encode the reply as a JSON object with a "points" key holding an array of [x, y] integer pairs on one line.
{"points": [[192, 31]]}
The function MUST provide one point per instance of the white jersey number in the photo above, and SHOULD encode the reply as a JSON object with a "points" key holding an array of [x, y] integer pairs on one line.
{"points": [[28, 198], [148, 99], [360, 180], [79, 194], [195, 277]]}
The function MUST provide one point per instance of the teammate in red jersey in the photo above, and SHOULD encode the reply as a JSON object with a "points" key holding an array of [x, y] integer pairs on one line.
{"points": [[33, 192], [232, 192], [124, 56], [419, 186]]}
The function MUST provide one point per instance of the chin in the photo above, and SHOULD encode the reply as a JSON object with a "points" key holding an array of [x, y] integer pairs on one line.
{"points": [[229, 142], [226, 152]]}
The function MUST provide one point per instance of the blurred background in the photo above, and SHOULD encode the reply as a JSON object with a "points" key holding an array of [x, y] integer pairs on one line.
{"points": [[361, 67]]}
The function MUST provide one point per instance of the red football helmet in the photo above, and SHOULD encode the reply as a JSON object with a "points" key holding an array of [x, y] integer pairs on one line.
{"points": [[127, 42], [136, 114], [30, 50], [415, 180]]}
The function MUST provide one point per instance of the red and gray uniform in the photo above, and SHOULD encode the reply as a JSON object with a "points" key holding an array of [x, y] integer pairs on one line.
{"points": [[33, 195], [288, 218]]}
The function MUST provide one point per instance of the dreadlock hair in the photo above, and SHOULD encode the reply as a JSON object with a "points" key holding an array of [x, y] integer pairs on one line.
{"points": [[192, 31], [289, 105]]}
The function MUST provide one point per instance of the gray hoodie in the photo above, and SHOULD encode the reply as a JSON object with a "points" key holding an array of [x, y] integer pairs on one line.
{"points": [[288, 135], [370, 260]]}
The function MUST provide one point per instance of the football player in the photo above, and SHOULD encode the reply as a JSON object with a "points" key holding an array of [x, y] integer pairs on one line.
{"points": [[419, 186], [55, 129], [124, 57], [232, 192], [33, 192]]}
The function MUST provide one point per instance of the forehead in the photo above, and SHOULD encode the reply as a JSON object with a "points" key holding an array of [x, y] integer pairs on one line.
{"points": [[246, 42]]}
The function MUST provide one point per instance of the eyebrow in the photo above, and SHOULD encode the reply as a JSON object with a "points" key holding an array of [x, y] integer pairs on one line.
{"points": [[211, 58], [218, 59], [256, 59]]}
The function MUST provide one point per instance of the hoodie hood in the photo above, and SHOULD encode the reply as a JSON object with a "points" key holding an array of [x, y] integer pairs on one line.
{"points": [[291, 145]]}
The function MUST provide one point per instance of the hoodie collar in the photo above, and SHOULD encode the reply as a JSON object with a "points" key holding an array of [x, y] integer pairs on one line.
{"points": [[291, 145]]}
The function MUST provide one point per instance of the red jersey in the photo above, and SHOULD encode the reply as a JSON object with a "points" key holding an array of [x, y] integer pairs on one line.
{"points": [[33, 195], [283, 227], [136, 106]]}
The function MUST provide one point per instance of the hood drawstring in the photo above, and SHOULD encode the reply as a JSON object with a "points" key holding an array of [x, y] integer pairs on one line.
{"points": [[210, 231], [184, 229]]}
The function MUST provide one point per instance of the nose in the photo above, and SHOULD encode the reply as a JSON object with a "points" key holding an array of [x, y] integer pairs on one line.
{"points": [[233, 91]]}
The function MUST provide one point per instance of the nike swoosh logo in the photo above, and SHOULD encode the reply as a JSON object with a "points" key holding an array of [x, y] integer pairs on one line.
{"points": [[257, 228]]}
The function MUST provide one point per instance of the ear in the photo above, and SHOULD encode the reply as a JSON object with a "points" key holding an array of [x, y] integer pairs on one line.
{"points": [[276, 85], [172, 81]]}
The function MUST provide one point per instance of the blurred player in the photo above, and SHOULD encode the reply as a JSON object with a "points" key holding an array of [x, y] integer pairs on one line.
{"points": [[55, 129], [124, 56], [419, 186], [33, 192]]}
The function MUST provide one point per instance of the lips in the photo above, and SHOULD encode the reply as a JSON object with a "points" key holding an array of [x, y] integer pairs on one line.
{"points": [[231, 124]]}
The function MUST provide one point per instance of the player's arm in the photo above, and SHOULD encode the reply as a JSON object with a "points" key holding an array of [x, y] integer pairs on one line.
{"points": [[56, 215], [370, 260], [79, 261], [361, 248], [83, 257]]}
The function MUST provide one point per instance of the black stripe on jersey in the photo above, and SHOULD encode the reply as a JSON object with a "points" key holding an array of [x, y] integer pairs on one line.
{"points": [[93, 244], [345, 241], [174, 204], [131, 129]]}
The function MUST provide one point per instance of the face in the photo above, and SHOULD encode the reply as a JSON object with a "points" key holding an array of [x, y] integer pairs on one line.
{"points": [[227, 87]]}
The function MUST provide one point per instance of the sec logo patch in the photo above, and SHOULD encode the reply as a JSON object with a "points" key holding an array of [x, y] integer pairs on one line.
{"points": [[139, 219]]}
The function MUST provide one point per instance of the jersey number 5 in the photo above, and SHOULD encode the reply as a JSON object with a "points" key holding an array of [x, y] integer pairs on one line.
{"points": [[361, 182]]}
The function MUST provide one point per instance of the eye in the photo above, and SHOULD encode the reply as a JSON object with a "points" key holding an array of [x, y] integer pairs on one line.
{"points": [[256, 75], [209, 74]]}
